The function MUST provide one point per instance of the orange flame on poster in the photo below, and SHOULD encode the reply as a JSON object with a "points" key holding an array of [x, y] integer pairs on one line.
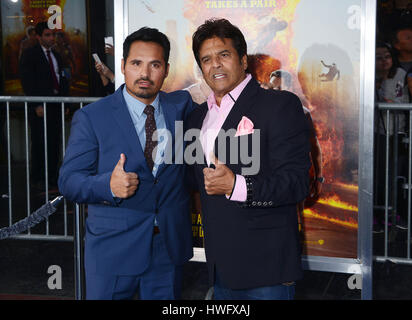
{"points": [[332, 147], [350, 223], [335, 202], [351, 187]]}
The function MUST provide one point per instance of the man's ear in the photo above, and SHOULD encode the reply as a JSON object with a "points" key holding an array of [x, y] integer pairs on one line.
{"points": [[167, 70], [244, 62], [122, 66]]}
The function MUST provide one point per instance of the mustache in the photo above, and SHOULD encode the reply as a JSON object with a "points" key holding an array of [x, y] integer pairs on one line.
{"points": [[144, 79]]}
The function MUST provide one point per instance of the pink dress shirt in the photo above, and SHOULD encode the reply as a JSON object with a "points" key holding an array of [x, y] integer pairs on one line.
{"points": [[213, 122]]}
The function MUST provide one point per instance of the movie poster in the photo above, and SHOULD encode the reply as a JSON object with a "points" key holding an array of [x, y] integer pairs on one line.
{"points": [[318, 50], [18, 19]]}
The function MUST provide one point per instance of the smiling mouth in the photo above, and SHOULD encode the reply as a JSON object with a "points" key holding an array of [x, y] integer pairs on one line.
{"points": [[219, 76]]}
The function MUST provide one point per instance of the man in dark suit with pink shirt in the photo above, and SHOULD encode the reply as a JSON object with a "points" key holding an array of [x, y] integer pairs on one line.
{"points": [[248, 202]]}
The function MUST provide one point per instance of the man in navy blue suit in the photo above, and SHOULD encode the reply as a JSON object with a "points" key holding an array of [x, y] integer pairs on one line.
{"points": [[138, 229], [248, 203]]}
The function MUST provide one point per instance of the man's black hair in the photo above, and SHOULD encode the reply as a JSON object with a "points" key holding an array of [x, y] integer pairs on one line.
{"points": [[40, 27], [147, 35], [395, 61], [222, 29]]}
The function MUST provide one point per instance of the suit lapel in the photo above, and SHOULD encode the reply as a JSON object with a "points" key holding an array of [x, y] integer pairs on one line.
{"points": [[244, 102], [42, 56], [203, 111], [59, 60], [45, 63], [125, 122], [169, 113]]}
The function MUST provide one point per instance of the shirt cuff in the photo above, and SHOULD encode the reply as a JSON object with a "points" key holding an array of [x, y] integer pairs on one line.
{"points": [[239, 191], [116, 199]]}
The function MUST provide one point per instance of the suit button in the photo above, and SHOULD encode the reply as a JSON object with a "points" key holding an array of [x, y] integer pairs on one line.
{"points": [[259, 204], [265, 204], [156, 181], [254, 203], [270, 203]]}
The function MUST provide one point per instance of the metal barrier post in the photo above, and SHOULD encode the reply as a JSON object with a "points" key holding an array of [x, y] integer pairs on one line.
{"points": [[408, 254], [9, 162], [395, 173], [387, 181], [79, 215], [78, 252]]}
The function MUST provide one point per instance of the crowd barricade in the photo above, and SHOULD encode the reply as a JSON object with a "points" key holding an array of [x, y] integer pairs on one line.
{"points": [[392, 183], [18, 200]]}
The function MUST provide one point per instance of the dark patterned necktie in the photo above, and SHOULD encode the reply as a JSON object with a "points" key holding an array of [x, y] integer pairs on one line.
{"points": [[150, 127]]}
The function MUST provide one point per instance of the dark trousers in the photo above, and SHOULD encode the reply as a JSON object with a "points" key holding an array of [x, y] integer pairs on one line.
{"points": [[53, 144], [161, 281], [284, 291]]}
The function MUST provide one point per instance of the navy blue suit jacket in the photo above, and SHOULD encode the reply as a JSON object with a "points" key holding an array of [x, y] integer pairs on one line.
{"points": [[256, 243], [119, 235]]}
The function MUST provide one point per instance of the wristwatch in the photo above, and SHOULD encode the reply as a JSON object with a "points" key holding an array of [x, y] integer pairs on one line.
{"points": [[320, 179]]}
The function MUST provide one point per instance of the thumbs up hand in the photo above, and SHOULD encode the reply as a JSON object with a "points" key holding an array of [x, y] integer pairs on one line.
{"points": [[123, 184], [220, 180]]}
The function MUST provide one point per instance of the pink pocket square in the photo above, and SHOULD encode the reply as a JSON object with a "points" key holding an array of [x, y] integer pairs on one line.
{"points": [[244, 127]]}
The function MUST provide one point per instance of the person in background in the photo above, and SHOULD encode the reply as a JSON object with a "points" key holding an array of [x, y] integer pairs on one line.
{"points": [[402, 42], [41, 74], [106, 76], [391, 87]]}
